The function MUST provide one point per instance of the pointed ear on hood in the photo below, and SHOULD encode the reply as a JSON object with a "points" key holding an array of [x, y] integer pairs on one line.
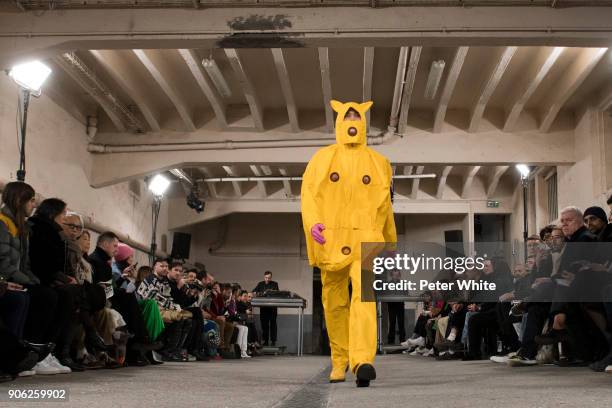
{"points": [[364, 107], [336, 105]]}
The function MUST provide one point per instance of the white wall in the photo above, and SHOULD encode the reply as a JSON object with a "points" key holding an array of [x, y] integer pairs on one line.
{"points": [[58, 163]]}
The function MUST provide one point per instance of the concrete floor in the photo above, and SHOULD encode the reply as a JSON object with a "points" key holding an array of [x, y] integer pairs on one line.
{"points": [[287, 382]]}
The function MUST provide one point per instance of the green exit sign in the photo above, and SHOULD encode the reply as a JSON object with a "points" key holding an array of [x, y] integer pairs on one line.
{"points": [[492, 204]]}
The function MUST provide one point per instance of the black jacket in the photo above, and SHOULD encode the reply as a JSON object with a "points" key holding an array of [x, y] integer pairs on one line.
{"points": [[262, 287], [179, 296], [101, 265], [579, 247], [47, 250]]}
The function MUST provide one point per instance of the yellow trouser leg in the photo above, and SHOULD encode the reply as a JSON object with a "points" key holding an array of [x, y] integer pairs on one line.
{"points": [[336, 305], [362, 328]]}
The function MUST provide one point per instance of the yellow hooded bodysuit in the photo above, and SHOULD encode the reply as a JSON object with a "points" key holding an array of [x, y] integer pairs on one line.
{"points": [[346, 187]]}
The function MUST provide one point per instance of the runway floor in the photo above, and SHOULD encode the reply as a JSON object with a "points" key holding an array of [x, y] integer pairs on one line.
{"points": [[287, 382]]}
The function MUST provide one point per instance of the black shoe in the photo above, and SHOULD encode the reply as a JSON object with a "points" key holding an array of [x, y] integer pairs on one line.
{"points": [[365, 373], [93, 343], [137, 360], [70, 363], [199, 355], [176, 357], [152, 359], [570, 362], [469, 357], [552, 337], [42, 349], [600, 366], [4, 377], [29, 361]]}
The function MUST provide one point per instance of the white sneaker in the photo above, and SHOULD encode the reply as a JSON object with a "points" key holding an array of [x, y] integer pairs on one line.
{"points": [[27, 373], [54, 362], [418, 342], [502, 359], [244, 355], [45, 368], [422, 350], [429, 353], [517, 361], [608, 369]]}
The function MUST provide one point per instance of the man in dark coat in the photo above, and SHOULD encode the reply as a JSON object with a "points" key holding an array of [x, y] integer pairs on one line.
{"points": [[267, 315]]}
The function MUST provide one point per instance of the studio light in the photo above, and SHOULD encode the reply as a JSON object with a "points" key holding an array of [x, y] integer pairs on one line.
{"points": [[158, 185], [194, 202], [524, 170], [211, 67], [30, 76]]}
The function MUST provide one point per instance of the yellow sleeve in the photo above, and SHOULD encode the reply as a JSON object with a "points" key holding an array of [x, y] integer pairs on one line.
{"points": [[389, 231], [310, 212]]}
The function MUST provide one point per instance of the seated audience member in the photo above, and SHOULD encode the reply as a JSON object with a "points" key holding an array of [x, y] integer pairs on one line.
{"points": [[535, 306], [142, 273], [187, 298], [17, 204], [123, 302], [238, 320], [90, 298], [216, 310], [124, 268], [102, 319], [17, 358], [396, 314], [484, 325], [417, 340], [177, 322], [245, 311], [596, 277], [570, 324], [48, 261]]}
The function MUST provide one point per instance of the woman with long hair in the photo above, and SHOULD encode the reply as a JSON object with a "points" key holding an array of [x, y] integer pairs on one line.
{"points": [[29, 306], [48, 259]]}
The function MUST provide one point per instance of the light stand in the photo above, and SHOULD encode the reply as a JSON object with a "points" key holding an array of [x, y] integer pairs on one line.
{"points": [[525, 184], [155, 207], [24, 103], [524, 170], [158, 186]]}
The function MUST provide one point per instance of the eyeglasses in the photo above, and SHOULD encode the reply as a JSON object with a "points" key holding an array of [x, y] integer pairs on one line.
{"points": [[74, 227]]}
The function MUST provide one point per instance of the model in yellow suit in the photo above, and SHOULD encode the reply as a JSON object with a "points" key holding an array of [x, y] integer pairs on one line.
{"points": [[346, 201]]}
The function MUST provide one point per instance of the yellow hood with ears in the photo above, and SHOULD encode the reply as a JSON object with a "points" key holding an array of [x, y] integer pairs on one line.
{"points": [[352, 131]]}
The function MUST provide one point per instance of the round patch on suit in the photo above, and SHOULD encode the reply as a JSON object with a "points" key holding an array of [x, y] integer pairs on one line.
{"points": [[352, 131], [366, 179], [346, 250], [334, 177]]}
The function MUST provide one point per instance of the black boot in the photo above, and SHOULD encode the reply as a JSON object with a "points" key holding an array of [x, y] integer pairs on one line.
{"points": [[365, 373], [172, 338]]}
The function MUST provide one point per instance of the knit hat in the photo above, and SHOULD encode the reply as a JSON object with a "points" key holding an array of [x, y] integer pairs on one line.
{"points": [[597, 212], [123, 252]]}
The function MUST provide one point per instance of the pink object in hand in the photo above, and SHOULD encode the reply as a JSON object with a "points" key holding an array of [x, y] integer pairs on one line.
{"points": [[317, 233]]}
